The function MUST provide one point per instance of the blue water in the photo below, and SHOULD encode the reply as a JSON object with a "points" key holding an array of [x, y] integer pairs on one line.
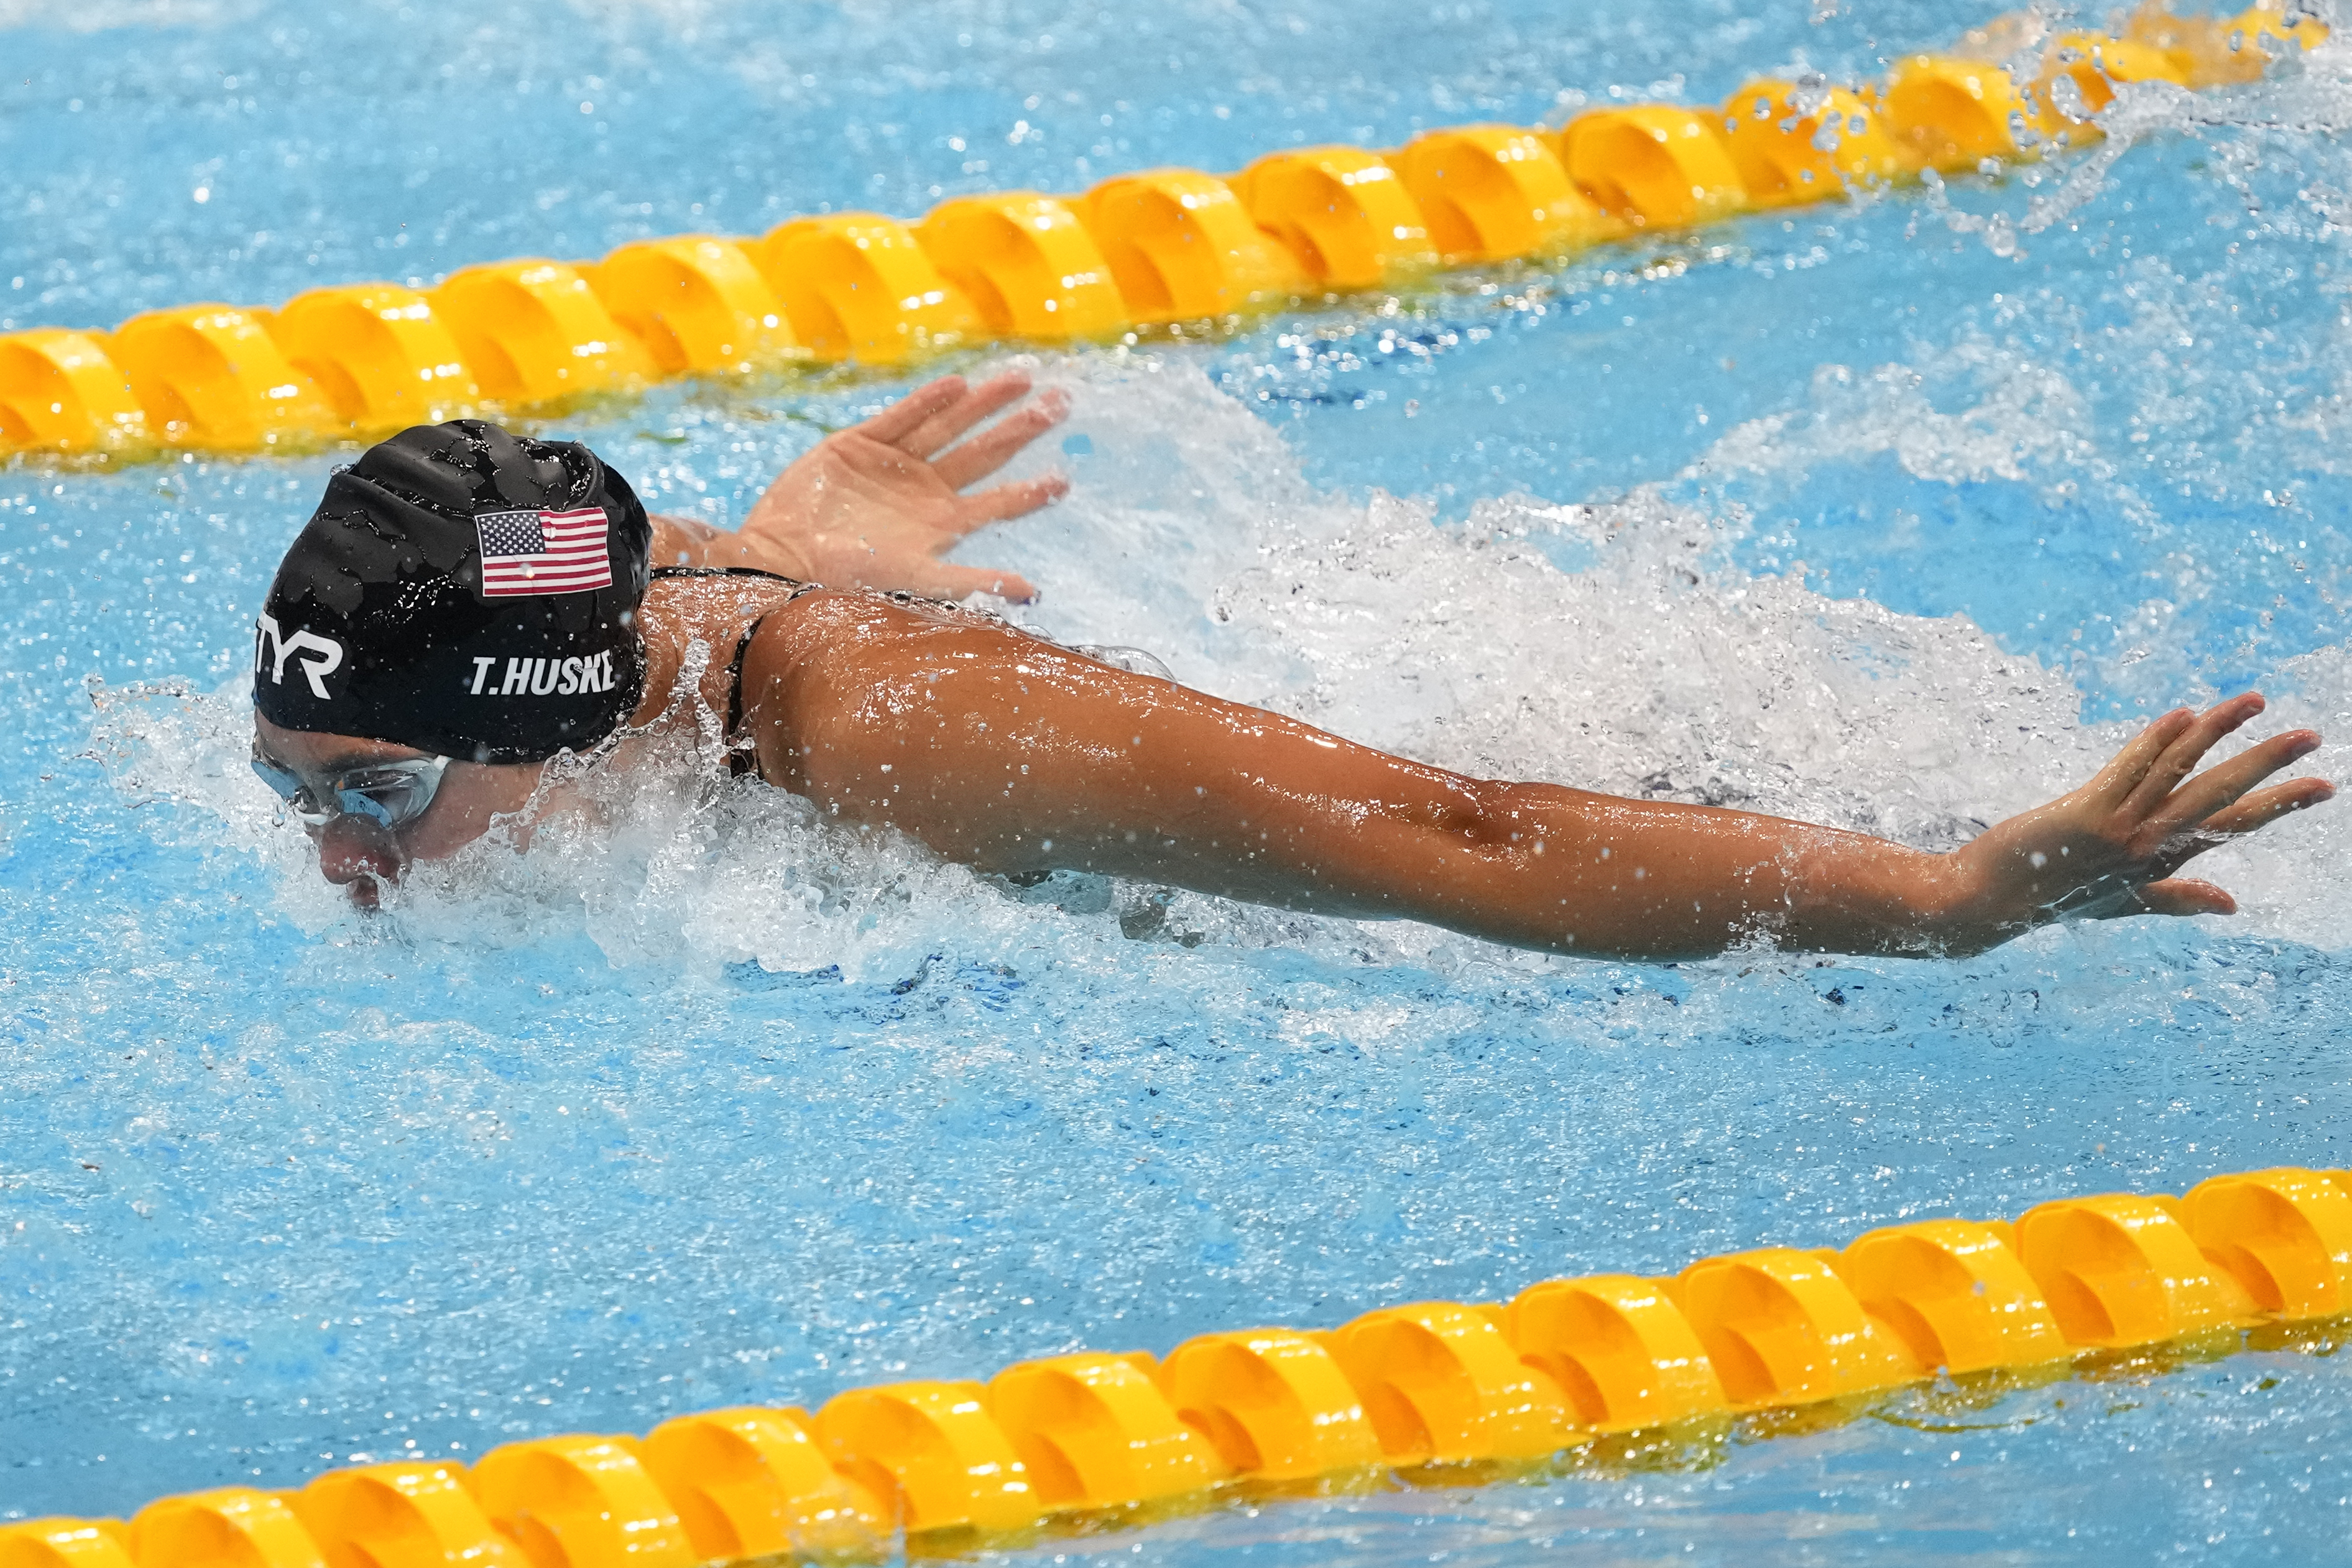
{"points": [[1855, 514]]}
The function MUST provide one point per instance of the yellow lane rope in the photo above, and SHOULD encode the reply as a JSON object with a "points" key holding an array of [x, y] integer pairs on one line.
{"points": [[1432, 1391], [1568, 1362], [1137, 252]]}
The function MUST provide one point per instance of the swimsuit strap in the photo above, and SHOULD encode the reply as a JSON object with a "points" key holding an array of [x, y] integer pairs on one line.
{"points": [[726, 572], [739, 760], [745, 759]]}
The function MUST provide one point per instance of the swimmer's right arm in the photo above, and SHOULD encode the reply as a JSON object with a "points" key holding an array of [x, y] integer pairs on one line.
{"points": [[1014, 755], [877, 505]]}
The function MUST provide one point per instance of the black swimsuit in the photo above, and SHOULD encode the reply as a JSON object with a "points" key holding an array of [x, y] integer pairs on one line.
{"points": [[739, 760]]}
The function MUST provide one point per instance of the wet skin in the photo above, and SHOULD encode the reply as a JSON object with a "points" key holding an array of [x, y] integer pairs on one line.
{"points": [[359, 853], [1012, 754]]}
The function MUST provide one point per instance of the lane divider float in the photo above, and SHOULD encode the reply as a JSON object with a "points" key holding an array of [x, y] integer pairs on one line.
{"points": [[1417, 1392], [1155, 248]]}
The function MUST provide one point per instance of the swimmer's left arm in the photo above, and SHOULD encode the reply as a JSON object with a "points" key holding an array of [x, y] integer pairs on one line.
{"points": [[877, 505], [1013, 755]]}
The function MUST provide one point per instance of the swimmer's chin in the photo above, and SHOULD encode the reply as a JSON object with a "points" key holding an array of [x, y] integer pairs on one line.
{"points": [[367, 896]]}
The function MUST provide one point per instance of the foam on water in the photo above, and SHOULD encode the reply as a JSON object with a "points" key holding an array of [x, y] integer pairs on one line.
{"points": [[1612, 646], [709, 1103]]}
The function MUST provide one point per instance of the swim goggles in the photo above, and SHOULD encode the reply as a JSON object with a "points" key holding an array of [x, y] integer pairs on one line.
{"points": [[391, 794]]}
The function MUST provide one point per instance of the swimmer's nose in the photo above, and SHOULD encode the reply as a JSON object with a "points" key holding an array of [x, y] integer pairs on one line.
{"points": [[356, 853]]}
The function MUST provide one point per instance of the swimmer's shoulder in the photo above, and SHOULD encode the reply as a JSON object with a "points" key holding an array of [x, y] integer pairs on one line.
{"points": [[698, 600], [844, 639], [700, 580], [815, 609]]}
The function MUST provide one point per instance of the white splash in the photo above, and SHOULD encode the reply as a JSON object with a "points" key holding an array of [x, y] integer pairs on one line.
{"points": [[2027, 417], [2307, 93], [1611, 647]]}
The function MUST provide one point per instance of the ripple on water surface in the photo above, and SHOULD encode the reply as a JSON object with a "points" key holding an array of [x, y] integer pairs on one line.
{"points": [[727, 1107]]}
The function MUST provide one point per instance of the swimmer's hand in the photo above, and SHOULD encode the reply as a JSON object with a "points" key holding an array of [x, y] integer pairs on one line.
{"points": [[877, 505], [2113, 847]]}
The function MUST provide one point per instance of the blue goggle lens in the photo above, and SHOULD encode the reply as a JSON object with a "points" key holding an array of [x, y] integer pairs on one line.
{"points": [[391, 794]]}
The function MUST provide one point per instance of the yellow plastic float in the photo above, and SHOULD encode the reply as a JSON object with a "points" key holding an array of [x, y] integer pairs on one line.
{"points": [[1342, 212], [60, 391], [1956, 1295], [1026, 263], [932, 1455], [65, 1543], [1273, 1402], [1652, 166], [2080, 78], [378, 353], [1496, 192], [233, 1527], [210, 377], [2286, 1236], [751, 1482], [1181, 247], [1095, 1431], [2121, 1272], [1782, 1329], [1622, 1354], [1163, 246], [1402, 1388], [411, 1513], [1792, 145], [581, 1502], [697, 302], [1952, 114], [858, 285], [534, 331], [1443, 1385]]}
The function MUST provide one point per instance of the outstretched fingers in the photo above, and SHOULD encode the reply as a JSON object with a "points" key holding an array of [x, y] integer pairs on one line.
{"points": [[2179, 758], [2178, 896], [997, 446], [978, 403], [2115, 782], [2251, 815], [906, 415], [2263, 808], [944, 580], [1003, 503], [2220, 807], [2226, 784]]}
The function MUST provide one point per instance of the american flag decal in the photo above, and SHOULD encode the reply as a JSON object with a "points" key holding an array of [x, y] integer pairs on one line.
{"points": [[544, 552]]}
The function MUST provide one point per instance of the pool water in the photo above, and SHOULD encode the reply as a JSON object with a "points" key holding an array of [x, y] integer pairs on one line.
{"points": [[1895, 515]]}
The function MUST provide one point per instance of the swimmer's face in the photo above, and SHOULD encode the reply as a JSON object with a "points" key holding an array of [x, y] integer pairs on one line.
{"points": [[359, 854]]}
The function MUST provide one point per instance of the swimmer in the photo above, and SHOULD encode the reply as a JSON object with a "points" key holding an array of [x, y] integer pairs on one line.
{"points": [[466, 604]]}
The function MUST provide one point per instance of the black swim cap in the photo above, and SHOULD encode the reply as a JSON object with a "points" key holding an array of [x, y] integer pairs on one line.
{"points": [[464, 591]]}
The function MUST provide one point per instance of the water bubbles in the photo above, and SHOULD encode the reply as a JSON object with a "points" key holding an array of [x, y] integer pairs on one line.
{"points": [[729, 1105]]}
